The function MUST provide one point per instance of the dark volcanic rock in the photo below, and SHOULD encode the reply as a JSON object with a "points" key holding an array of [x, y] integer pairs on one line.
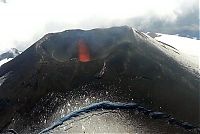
{"points": [[153, 35], [120, 61]]}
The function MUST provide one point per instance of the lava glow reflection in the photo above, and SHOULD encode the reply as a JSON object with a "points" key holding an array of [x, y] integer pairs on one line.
{"points": [[84, 54]]}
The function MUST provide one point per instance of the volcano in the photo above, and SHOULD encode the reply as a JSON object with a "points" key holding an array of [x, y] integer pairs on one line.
{"points": [[74, 69]]}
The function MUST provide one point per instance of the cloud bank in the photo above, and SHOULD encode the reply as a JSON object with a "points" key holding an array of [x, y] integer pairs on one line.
{"points": [[23, 22]]}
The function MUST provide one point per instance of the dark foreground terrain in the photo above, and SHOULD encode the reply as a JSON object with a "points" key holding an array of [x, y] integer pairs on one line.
{"points": [[65, 72]]}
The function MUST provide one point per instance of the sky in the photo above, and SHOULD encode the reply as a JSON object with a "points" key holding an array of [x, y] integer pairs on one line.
{"points": [[23, 22]]}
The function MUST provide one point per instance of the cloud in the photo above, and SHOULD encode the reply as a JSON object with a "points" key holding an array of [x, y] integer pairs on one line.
{"points": [[24, 22], [186, 22], [4, 1]]}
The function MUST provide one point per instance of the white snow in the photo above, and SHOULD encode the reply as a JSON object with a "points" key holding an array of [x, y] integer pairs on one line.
{"points": [[15, 53], [5, 61], [188, 46], [13, 50]]}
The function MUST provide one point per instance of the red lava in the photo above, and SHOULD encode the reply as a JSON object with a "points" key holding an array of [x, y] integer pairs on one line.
{"points": [[84, 54]]}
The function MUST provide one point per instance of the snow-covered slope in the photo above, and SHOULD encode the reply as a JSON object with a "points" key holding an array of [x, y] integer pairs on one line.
{"points": [[5, 61], [9, 55], [188, 46]]}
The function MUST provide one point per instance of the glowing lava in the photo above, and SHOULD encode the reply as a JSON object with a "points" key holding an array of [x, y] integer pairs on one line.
{"points": [[84, 54]]}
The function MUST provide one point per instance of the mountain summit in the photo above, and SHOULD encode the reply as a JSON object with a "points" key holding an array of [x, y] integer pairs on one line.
{"points": [[119, 64]]}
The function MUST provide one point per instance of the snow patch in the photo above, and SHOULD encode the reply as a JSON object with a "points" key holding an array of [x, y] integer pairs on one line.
{"points": [[14, 51], [189, 46], [5, 61]]}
